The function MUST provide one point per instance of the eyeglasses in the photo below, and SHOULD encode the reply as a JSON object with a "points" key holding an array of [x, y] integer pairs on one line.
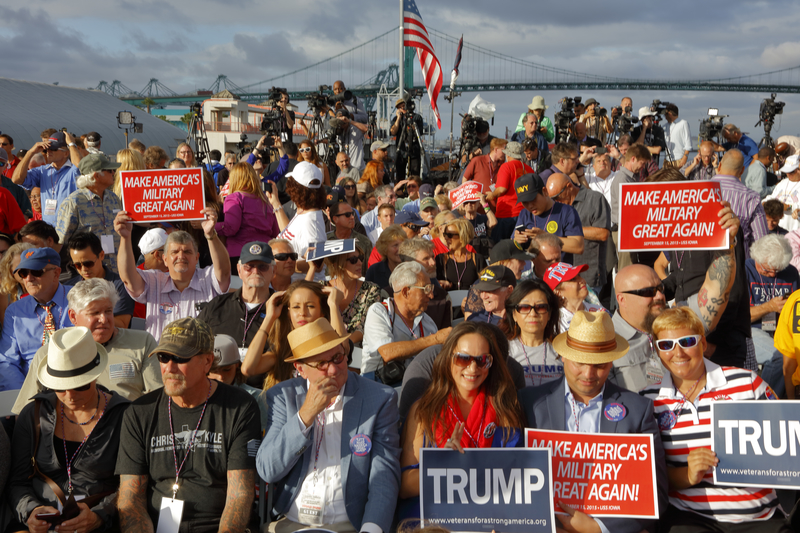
{"points": [[647, 292], [261, 267], [525, 309], [561, 191], [323, 365], [304, 150], [448, 235], [84, 264], [412, 186], [667, 345], [2, 164], [464, 360], [165, 358], [24, 272], [427, 289], [354, 260], [348, 187], [284, 257], [346, 215], [82, 388]]}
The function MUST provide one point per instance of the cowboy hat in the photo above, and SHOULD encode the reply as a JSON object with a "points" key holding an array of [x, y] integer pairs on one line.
{"points": [[591, 339], [73, 359], [313, 339]]}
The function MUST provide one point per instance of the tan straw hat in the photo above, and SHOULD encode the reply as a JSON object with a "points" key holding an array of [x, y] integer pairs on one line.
{"points": [[591, 339], [313, 339], [73, 359]]}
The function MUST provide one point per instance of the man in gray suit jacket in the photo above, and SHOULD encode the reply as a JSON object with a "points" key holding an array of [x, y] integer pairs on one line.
{"points": [[332, 448], [584, 401]]}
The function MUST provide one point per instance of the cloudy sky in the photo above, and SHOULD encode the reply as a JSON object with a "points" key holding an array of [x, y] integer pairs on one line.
{"points": [[186, 44]]}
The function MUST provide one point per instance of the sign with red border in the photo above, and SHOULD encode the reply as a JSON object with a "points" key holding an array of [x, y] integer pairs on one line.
{"points": [[163, 195], [470, 191]]}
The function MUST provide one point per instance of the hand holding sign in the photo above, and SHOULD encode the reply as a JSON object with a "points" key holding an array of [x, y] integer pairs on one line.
{"points": [[123, 224], [728, 219], [699, 461], [210, 222], [576, 521]]}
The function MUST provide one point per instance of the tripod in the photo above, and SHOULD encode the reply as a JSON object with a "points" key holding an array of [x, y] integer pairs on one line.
{"points": [[409, 133], [197, 133], [767, 139]]}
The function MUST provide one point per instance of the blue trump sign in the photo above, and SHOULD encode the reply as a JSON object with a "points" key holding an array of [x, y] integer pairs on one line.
{"points": [[505, 489], [757, 443]]}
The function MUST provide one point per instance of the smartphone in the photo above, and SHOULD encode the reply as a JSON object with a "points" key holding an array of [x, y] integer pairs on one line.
{"points": [[50, 518]]}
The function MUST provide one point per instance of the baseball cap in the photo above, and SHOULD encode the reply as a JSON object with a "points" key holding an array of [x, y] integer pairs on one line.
{"points": [[528, 186], [792, 163], [57, 141], [38, 258], [589, 102], [185, 337], [226, 352], [425, 203], [306, 174], [153, 239], [378, 145], [3, 154], [93, 137], [256, 251], [426, 190], [335, 195], [508, 249], [404, 217], [95, 162], [559, 272], [495, 277], [645, 112]]}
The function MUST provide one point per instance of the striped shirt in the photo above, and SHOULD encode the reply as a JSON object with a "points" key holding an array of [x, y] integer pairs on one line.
{"points": [[693, 430], [746, 203]]}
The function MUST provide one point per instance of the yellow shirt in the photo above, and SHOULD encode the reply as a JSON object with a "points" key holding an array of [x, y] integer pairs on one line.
{"points": [[787, 334]]}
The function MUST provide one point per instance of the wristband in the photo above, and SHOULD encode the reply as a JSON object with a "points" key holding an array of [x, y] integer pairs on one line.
{"points": [[487, 210], [72, 144], [213, 236], [485, 206]]}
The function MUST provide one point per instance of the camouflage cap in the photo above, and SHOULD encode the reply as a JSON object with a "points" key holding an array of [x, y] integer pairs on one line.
{"points": [[186, 337]]}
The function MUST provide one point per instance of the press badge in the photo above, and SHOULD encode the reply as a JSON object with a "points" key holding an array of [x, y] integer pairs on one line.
{"points": [[655, 372], [309, 510], [107, 242], [169, 517], [242, 354], [769, 322], [50, 206]]}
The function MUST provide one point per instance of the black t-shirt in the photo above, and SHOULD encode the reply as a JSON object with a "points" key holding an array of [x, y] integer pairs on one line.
{"points": [[480, 224], [228, 439], [460, 275]]}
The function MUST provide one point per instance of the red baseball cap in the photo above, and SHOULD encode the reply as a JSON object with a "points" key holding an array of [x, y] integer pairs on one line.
{"points": [[558, 272]]}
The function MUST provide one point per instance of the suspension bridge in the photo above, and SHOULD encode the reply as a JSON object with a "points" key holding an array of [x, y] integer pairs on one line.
{"points": [[481, 70]]}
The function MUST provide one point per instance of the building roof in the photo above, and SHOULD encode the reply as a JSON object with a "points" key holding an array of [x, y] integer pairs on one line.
{"points": [[30, 108]]}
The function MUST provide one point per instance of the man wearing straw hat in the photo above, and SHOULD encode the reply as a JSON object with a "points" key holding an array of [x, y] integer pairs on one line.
{"points": [[332, 448], [584, 401]]}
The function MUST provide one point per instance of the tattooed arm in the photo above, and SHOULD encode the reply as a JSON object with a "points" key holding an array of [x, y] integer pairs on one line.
{"points": [[715, 292], [132, 504], [239, 502]]}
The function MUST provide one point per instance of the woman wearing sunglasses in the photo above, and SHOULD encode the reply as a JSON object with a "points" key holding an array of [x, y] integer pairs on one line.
{"points": [[72, 430], [458, 269], [682, 401], [345, 275], [532, 324], [471, 403], [351, 195], [12, 287], [308, 153]]}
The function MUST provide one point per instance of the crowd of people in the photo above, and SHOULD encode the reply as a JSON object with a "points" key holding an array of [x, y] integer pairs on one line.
{"points": [[180, 375]]}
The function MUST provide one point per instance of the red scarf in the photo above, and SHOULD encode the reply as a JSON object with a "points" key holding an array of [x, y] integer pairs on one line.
{"points": [[479, 428]]}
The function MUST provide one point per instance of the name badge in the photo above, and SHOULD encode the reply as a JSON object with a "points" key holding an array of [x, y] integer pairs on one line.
{"points": [[769, 322], [242, 354], [50, 206], [169, 517], [107, 242], [309, 510]]}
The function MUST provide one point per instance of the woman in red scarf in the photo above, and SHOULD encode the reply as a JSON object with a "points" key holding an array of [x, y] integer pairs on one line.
{"points": [[470, 403]]}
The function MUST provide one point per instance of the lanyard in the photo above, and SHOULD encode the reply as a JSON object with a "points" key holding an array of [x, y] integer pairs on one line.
{"points": [[575, 413], [248, 324], [480, 428], [530, 366], [774, 284], [411, 327], [68, 459], [318, 444], [455, 265], [677, 410], [190, 445], [548, 218]]}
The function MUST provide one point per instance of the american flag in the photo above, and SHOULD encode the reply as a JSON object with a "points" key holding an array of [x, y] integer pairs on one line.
{"points": [[415, 35]]}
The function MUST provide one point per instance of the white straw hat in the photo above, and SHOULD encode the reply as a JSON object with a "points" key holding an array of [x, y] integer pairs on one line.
{"points": [[73, 359]]}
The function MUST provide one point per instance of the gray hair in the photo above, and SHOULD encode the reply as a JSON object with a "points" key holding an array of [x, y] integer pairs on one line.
{"points": [[772, 251], [549, 239], [180, 237], [39, 158], [90, 290], [383, 191], [412, 247], [86, 180], [405, 275]]}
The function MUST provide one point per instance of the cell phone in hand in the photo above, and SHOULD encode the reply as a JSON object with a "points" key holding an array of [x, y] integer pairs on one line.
{"points": [[50, 518]]}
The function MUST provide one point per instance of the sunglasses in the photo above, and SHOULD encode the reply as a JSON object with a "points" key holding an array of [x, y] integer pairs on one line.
{"points": [[284, 257], [165, 358], [647, 292], [451, 235], [667, 345], [24, 272], [2, 164], [84, 264], [323, 365], [464, 360], [349, 187], [525, 309], [354, 260], [82, 388], [346, 215], [304, 150], [261, 267]]}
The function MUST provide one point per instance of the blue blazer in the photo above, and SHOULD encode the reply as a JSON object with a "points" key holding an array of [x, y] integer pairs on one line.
{"points": [[543, 407], [371, 482]]}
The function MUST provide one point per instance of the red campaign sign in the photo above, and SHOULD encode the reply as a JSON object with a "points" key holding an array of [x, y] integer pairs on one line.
{"points": [[470, 191], [601, 474], [670, 216], [169, 194]]}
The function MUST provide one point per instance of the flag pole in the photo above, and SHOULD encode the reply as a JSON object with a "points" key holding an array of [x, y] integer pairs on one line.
{"points": [[402, 54]]}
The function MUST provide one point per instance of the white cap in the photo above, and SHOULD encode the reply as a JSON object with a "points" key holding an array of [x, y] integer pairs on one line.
{"points": [[645, 112], [153, 239], [226, 352], [305, 174], [792, 164]]}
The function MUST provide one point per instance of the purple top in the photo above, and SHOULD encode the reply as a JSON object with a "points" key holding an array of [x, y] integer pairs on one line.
{"points": [[247, 219]]}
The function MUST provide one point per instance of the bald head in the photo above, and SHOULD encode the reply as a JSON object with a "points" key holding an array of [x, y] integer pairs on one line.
{"points": [[633, 276], [559, 187], [732, 163]]}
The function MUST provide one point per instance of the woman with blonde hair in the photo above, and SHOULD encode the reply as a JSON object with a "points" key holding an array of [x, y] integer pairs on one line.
{"points": [[388, 245], [345, 274], [128, 160], [248, 214], [11, 286], [373, 174], [185, 153], [458, 268], [308, 152]]}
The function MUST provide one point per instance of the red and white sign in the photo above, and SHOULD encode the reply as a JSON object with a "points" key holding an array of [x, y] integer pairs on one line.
{"points": [[167, 194], [670, 216], [470, 191], [601, 474]]}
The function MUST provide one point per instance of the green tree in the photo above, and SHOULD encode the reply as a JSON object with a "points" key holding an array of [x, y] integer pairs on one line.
{"points": [[148, 102]]}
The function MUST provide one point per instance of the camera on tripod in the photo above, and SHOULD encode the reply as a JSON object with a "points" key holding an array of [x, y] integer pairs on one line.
{"points": [[567, 113], [469, 134], [711, 127], [770, 108], [271, 121], [659, 108]]}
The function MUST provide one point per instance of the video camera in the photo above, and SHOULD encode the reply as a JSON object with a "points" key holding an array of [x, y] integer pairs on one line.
{"points": [[567, 114], [711, 127], [659, 108], [272, 119], [469, 134], [770, 108], [320, 99]]}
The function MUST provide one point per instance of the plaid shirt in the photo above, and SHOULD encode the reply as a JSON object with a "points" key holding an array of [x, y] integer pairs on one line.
{"points": [[83, 210], [746, 203]]}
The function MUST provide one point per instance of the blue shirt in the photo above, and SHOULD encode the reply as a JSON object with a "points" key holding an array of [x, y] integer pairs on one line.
{"points": [[283, 165], [747, 146], [762, 289], [483, 316], [588, 416], [55, 185], [23, 327], [541, 143], [562, 221]]}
